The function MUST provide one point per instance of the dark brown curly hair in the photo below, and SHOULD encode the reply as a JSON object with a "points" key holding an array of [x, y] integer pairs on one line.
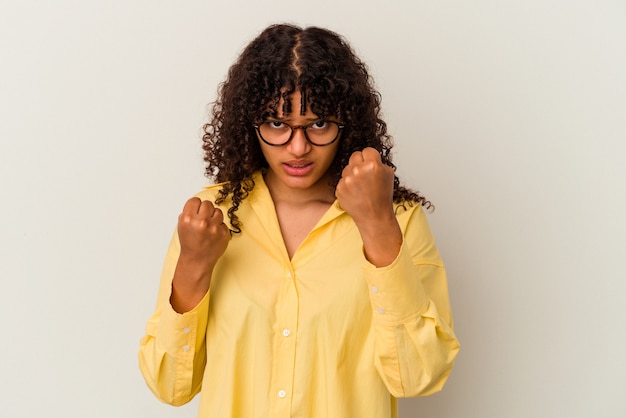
{"points": [[332, 80]]}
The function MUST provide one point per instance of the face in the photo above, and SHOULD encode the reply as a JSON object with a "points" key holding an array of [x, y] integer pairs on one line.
{"points": [[298, 165]]}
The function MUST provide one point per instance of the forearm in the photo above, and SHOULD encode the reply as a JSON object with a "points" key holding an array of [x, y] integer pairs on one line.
{"points": [[416, 357], [382, 239], [172, 353], [203, 238], [191, 282], [415, 341]]}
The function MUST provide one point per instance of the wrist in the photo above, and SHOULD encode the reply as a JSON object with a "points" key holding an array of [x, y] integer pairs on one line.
{"points": [[382, 241], [191, 281], [182, 302]]}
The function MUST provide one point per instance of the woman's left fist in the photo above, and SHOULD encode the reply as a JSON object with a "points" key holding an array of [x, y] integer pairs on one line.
{"points": [[365, 189]]}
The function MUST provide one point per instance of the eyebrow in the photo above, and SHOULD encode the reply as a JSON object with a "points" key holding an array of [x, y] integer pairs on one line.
{"points": [[288, 119]]}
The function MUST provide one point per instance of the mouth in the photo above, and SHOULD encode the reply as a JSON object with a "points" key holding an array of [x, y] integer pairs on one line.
{"points": [[298, 168], [298, 164]]}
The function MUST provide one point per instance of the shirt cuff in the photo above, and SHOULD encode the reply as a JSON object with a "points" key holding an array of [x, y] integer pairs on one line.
{"points": [[396, 292], [183, 334]]}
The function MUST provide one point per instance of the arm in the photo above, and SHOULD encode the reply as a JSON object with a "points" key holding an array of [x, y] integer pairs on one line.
{"points": [[172, 353], [203, 240], [415, 342], [365, 191]]}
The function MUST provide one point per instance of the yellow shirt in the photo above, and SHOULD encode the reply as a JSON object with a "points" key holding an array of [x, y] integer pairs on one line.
{"points": [[325, 334]]}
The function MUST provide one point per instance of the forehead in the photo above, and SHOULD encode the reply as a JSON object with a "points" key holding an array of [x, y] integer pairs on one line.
{"points": [[295, 106], [291, 104]]}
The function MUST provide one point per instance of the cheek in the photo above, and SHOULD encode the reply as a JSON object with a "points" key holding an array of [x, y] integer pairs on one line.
{"points": [[267, 153], [332, 154]]}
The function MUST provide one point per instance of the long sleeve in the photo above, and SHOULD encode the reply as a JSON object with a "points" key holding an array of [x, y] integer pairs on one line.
{"points": [[415, 345], [172, 353]]}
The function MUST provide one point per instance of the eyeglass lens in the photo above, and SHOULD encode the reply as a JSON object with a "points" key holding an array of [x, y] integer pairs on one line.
{"points": [[318, 133]]}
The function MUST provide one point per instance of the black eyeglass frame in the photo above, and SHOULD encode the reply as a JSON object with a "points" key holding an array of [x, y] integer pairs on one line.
{"points": [[257, 127]]}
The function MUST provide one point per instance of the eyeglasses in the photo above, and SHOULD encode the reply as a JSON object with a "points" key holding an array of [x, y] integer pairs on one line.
{"points": [[320, 133]]}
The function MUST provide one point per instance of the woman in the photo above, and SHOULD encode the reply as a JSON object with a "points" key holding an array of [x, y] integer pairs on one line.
{"points": [[306, 283]]}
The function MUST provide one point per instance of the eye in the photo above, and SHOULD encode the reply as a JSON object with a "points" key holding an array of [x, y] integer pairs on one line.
{"points": [[274, 124], [320, 124]]}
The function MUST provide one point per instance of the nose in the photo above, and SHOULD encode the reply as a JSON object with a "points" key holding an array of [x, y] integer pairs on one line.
{"points": [[299, 145]]}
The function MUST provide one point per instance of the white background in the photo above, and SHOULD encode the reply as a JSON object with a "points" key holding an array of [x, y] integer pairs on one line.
{"points": [[509, 115]]}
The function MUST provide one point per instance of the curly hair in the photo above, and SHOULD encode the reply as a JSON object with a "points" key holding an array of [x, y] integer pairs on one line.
{"points": [[332, 80]]}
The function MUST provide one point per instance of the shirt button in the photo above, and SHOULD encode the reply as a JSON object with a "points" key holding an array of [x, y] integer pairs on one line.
{"points": [[374, 289], [185, 348], [286, 332], [380, 311], [186, 330], [282, 393]]}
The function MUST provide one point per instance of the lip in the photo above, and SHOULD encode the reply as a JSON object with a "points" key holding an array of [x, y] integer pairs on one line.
{"points": [[298, 168]]}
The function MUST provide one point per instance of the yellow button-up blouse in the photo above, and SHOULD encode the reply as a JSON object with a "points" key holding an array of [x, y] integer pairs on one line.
{"points": [[325, 334]]}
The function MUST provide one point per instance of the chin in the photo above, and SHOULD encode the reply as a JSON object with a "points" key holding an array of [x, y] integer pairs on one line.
{"points": [[300, 182]]}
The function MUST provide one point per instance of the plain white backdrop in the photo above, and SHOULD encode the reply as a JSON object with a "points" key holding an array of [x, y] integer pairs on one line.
{"points": [[509, 115]]}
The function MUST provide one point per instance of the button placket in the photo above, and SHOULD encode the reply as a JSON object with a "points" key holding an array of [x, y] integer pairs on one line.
{"points": [[284, 344], [376, 299]]}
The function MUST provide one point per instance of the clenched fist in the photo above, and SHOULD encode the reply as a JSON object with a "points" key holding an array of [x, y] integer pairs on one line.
{"points": [[365, 191], [203, 240], [202, 233]]}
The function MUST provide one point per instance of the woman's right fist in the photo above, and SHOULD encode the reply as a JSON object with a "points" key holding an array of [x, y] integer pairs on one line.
{"points": [[202, 232]]}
